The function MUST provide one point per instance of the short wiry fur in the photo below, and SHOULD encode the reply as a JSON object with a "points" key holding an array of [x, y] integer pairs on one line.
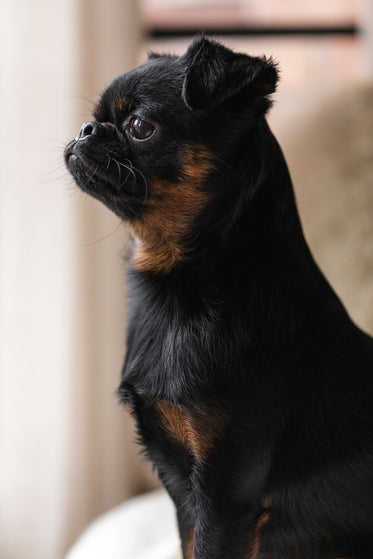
{"points": [[251, 387]]}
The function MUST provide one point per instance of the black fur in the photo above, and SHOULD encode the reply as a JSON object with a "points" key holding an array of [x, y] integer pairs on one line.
{"points": [[251, 387]]}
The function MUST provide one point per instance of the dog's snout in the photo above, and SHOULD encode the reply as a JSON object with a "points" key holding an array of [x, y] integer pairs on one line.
{"points": [[93, 128], [87, 129]]}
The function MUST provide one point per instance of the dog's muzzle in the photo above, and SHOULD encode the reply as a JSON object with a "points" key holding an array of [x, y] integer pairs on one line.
{"points": [[93, 128]]}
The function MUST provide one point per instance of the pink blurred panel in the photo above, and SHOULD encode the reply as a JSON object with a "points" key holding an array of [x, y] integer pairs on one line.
{"points": [[208, 13], [312, 68]]}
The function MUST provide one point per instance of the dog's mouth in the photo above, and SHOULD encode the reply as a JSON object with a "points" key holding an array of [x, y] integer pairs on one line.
{"points": [[107, 176], [92, 168]]}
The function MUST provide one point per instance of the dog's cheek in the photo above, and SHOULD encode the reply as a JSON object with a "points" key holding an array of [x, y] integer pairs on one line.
{"points": [[172, 208]]}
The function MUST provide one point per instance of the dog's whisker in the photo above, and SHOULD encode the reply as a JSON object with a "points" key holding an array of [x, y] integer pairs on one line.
{"points": [[64, 177], [131, 172], [90, 177], [145, 185], [97, 241], [119, 172], [224, 164], [217, 170]]}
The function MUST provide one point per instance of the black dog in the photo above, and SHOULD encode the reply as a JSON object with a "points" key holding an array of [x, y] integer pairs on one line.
{"points": [[251, 387]]}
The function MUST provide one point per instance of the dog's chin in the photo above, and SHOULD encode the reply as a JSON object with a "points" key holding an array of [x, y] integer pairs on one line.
{"points": [[115, 187]]}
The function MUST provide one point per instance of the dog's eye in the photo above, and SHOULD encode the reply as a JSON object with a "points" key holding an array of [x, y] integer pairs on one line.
{"points": [[140, 129]]}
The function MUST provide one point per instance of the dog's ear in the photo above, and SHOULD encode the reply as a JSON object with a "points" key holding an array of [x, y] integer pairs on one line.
{"points": [[152, 55], [215, 74]]}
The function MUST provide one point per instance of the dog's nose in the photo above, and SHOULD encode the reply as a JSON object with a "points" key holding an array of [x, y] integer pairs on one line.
{"points": [[87, 129]]}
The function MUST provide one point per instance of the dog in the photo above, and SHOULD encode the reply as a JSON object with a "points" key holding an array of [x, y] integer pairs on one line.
{"points": [[251, 387]]}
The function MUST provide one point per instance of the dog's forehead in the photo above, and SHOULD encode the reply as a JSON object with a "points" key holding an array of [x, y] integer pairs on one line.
{"points": [[157, 82]]}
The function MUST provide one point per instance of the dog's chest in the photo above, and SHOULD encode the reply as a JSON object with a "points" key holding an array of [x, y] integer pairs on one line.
{"points": [[196, 430], [189, 435], [173, 353]]}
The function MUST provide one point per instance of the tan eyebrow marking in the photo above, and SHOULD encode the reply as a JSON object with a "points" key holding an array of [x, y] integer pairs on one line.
{"points": [[124, 103]]}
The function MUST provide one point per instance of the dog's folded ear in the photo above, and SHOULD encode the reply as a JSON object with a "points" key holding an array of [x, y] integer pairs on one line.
{"points": [[215, 74], [152, 55]]}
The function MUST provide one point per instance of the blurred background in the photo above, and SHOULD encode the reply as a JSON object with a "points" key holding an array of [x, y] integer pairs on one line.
{"points": [[66, 446]]}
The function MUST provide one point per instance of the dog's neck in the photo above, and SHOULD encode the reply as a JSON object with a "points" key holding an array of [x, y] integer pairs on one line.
{"points": [[256, 289], [258, 248], [271, 256]]}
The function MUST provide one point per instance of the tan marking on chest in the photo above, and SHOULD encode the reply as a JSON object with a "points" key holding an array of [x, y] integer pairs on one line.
{"points": [[189, 546], [196, 430], [262, 521], [171, 208], [266, 502]]}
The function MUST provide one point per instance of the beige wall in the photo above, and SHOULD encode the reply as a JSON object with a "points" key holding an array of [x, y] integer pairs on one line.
{"points": [[65, 450]]}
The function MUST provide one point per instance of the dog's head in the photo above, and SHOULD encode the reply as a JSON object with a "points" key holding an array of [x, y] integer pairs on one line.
{"points": [[163, 137]]}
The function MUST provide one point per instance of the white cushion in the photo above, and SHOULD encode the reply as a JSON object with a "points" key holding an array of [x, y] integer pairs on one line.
{"points": [[141, 528]]}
